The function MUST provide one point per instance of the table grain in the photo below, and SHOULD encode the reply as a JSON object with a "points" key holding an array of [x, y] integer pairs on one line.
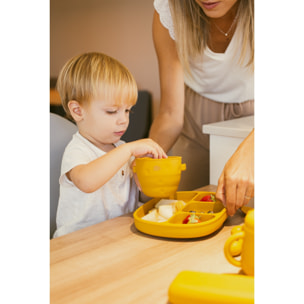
{"points": [[112, 262]]}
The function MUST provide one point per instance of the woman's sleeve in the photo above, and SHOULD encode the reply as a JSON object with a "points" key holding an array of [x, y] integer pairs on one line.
{"points": [[163, 9]]}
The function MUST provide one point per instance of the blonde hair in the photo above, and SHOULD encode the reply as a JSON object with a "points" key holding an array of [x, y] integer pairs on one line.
{"points": [[91, 75], [191, 27]]}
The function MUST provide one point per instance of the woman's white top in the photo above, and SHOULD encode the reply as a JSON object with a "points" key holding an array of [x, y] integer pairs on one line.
{"points": [[77, 209], [217, 76]]}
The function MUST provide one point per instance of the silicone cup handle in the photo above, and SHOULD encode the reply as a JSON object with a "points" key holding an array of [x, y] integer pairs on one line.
{"points": [[236, 247], [229, 252], [183, 167]]}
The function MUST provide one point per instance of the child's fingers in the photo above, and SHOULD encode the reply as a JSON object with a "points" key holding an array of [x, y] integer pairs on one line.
{"points": [[159, 151], [162, 153], [149, 148]]}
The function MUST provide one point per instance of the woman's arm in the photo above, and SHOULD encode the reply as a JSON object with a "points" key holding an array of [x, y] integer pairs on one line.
{"points": [[90, 177], [236, 183], [169, 122]]}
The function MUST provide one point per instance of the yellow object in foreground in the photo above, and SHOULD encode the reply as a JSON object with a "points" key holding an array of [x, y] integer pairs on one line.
{"points": [[159, 177], [199, 287], [243, 239]]}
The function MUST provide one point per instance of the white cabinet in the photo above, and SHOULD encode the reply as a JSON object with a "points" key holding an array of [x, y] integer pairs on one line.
{"points": [[225, 137]]}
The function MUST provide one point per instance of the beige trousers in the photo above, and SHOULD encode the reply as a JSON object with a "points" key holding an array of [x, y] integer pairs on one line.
{"points": [[192, 144]]}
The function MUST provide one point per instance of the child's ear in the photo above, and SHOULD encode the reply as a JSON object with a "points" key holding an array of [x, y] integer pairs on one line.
{"points": [[76, 110]]}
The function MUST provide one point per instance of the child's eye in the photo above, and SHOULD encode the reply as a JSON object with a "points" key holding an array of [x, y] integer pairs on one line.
{"points": [[111, 112], [129, 110]]}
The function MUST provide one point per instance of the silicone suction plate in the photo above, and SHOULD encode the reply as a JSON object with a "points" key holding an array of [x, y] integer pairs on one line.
{"points": [[212, 216]]}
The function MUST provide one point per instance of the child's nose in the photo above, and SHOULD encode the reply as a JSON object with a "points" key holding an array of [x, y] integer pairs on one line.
{"points": [[123, 118]]}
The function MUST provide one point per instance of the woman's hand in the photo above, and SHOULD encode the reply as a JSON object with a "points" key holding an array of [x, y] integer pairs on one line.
{"points": [[236, 183]]}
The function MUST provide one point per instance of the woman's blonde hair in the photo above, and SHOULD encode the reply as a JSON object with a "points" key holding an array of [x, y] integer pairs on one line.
{"points": [[91, 75], [191, 27]]}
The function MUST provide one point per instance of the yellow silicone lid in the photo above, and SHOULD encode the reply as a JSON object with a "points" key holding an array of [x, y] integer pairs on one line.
{"points": [[199, 287]]}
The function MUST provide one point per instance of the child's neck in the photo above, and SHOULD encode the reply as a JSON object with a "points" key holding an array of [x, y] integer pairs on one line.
{"points": [[102, 146], [106, 147]]}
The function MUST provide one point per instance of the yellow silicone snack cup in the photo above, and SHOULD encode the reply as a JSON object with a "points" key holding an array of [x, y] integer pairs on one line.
{"points": [[159, 177], [245, 237]]}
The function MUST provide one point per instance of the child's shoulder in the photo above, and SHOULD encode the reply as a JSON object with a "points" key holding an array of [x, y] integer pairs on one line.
{"points": [[76, 138], [77, 142], [80, 150]]}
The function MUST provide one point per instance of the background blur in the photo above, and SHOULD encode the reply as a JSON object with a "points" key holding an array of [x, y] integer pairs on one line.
{"points": [[119, 28]]}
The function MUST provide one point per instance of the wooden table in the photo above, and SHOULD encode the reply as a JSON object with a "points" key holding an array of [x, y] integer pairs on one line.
{"points": [[112, 262]]}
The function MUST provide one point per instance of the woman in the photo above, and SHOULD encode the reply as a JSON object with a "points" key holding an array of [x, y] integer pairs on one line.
{"points": [[205, 53]]}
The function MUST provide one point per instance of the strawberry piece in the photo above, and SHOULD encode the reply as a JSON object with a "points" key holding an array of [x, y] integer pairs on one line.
{"points": [[208, 198], [191, 219], [186, 220]]}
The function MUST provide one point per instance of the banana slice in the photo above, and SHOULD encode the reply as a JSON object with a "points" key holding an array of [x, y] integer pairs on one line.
{"points": [[165, 211], [165, 202], [154, 216]]}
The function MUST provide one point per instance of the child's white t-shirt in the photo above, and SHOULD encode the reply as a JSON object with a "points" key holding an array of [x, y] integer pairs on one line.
{"points": [[77, 209]]}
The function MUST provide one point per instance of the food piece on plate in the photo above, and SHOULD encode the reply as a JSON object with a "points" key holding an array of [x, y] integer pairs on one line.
{"points": [[164, 202], [177, 205], [164, 209], [192, 219], [208, 198], [154, 216]]}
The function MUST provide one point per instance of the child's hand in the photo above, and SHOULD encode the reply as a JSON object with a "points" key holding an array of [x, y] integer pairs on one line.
{"points": [[146, 147]]}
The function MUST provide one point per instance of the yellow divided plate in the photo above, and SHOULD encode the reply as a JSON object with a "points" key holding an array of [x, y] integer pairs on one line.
{"points": [[212, 216], [245, 209], [249, 206]]}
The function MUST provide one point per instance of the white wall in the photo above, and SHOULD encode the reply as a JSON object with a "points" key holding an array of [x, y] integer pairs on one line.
{"points": [[119, 28]]}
